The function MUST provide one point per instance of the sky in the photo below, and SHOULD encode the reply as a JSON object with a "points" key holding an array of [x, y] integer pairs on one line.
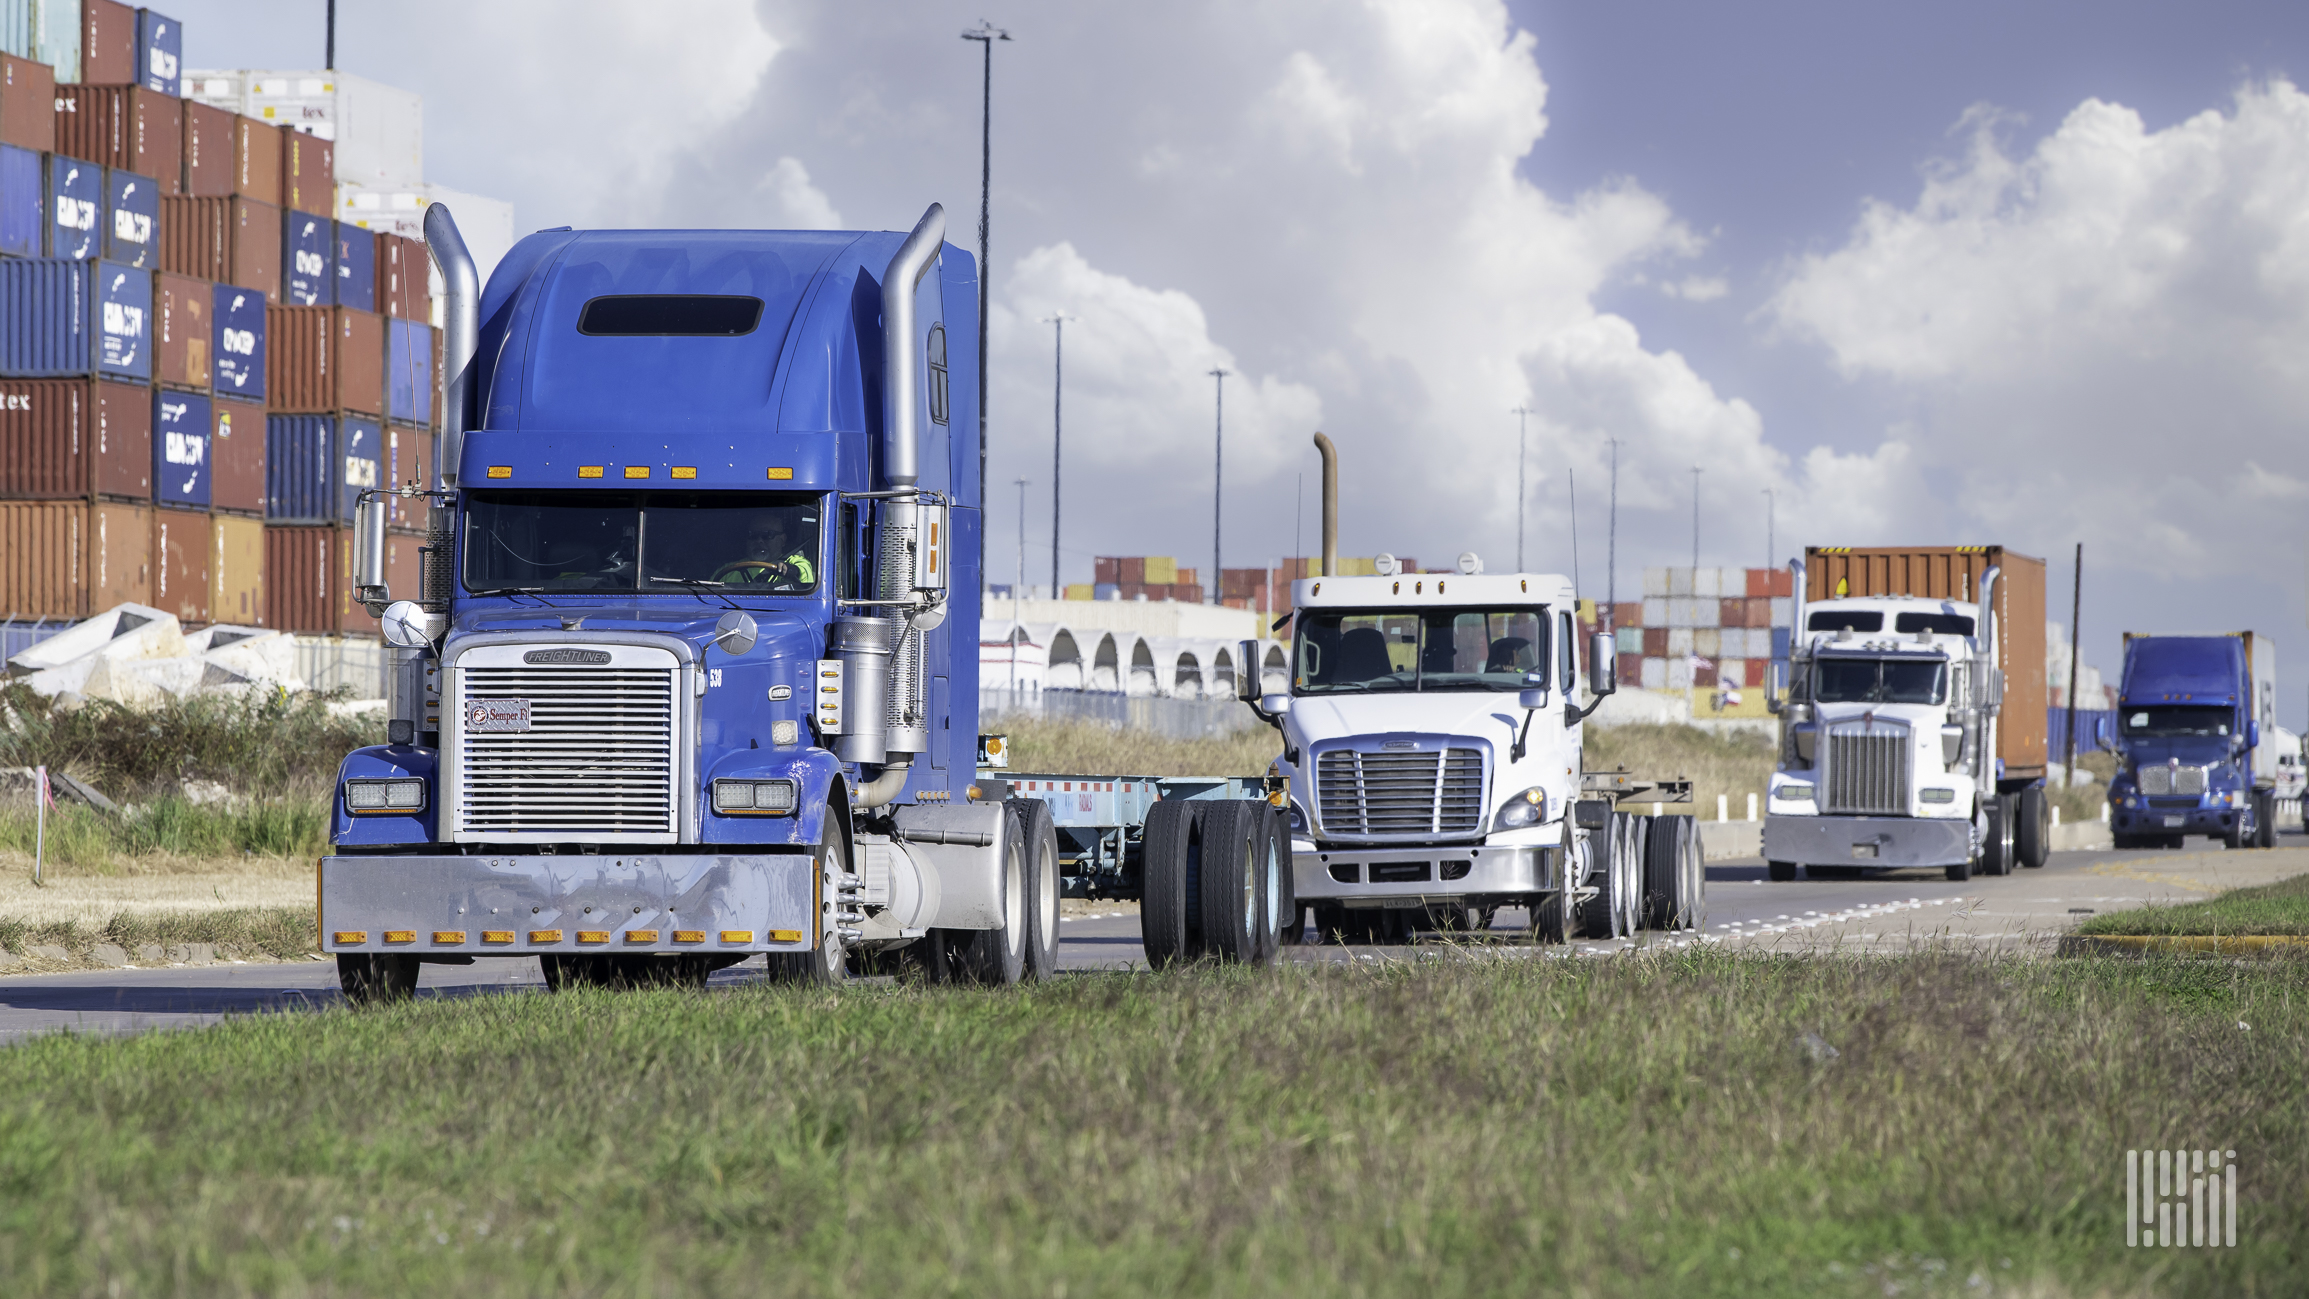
{"points": [[1954, 274]]}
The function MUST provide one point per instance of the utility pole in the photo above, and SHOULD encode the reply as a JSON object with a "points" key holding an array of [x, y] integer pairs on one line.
{"points": [[985, 34], [1611, 561], [1770, 548], [1218, 469], [329, 54], [1057, 393], [1015, 591], [1571, 489], [2076, 605], [1695, 523], [1522, 492]]}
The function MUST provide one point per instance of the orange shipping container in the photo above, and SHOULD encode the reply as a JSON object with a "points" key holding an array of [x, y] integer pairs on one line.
{"points": [[181, 546], [183, 326], [67, 559], [63, 438], [124, 126], [1954, 573], [236, 570], [319, 360], [308, 174], [236, 456], [208, 150], [257, 165]]}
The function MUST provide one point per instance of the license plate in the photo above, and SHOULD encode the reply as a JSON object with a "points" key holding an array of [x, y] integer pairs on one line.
{"points": [[497, 715], [2175, 822], [1864, 850]]}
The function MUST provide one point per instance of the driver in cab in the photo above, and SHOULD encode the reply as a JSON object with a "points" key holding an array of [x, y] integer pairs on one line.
{"points": [[775, 555]]}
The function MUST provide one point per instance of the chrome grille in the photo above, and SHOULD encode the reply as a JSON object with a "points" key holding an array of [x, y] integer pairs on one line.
{"points": [[1439, 791], [598, 759], [1867, 771], [2170, 779]]}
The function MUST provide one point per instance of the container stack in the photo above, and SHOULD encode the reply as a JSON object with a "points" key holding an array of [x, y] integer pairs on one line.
{"points": [[1704, 628], [201, 365]]}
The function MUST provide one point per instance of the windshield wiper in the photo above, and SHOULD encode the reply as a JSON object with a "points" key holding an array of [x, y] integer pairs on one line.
{"points": [[507, 590], [690, 581]]}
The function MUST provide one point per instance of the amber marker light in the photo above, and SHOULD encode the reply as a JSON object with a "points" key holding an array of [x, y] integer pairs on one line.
{"points": [[637, 471], [641, 935], [785, 935], [737, 935], [589, 471], [500, 471], [781, 474], [593, 935], [545, 935], [351, 937], [449, 937], [689, 935], [685, 471], [496, 935]]}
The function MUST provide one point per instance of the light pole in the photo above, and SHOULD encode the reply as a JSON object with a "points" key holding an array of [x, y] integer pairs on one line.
{"points": [[1695, 524], [1057, 394], [1522, 492], [1218, 468], [1611, 559], [985, 34], [1015, 590], [1770, 548]]}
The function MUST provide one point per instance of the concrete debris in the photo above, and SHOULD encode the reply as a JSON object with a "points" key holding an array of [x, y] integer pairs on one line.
{"points": [[136, 655], [1816, 1048], [112, 954]]}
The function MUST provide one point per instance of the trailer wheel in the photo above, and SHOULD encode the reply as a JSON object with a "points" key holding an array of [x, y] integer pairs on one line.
{"points": [[1675, 875], [1996, 847], [1169, 909], [1782, 872], [1231, 852], [996, 958], [1042, 886], [2032, 828], [1615, 910], [369, 980]]}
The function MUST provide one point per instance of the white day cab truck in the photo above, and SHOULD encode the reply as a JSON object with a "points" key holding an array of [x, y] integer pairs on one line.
{"points": [[1432, 754], [1913, 722]]}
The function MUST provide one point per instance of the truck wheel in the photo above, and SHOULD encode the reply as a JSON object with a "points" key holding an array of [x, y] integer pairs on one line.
{"points": [[996, 958], [1232, 863], [1782, 872], [2235, 837], [1547, 919], [1169, 911], [1672, 864], [1960, 871], [825, 965], [2264, 820], [369, 980], [1042, 886], [1598, 916], [2032, 829], [1997, 842], [1283, 927]]}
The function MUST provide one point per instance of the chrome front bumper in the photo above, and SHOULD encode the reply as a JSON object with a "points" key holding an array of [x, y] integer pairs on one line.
{"points": [[533, 905], [1487, 871], [1866, 840]]}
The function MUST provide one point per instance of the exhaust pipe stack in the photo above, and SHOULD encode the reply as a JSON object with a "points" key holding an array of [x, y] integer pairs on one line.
{"points": [[1330, 504], [460, 334]]}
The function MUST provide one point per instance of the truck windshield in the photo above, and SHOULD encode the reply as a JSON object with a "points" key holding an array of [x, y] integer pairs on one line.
{"points": [[1880, 681], [1350, 650], [2147, 722], [666, 542]]}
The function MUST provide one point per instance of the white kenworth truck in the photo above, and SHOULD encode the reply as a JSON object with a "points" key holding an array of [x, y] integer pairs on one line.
{"points": [[1432, 749], [1893, 750]]}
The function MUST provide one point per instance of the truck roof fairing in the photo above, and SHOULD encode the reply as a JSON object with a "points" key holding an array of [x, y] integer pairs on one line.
{"points": [[1412, 590]]}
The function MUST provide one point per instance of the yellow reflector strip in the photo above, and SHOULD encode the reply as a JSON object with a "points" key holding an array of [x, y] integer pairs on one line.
{"points": [[593, 935], [352, 935], [589, 471], [689, 935], [781, 473], [737, 935], [684, 471], [785, 935], [500, 471], [496, 935], [449, 937], [641, 935], [545, 935], [400, 935], [637, 471]]}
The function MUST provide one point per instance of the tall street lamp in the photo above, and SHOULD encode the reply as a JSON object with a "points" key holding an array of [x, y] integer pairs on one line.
{"points": [[1015, 590], [985, 34], [1057, 395], [1522, 493], [1218, 467]]}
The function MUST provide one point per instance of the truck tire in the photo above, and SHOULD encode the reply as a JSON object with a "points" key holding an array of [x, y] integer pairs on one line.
{"points": [[996, 958], [2032, 827], [825, 965], [371, 980], [1782, 872], [1233, 860], [2235, 837], [2264, 819], [1595, 918], [1170, 912], [1284, 929], [1960, 871], [1996, 845], [1675, 875], [1042, 886]]}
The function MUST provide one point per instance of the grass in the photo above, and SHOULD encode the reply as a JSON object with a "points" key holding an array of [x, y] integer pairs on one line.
{"points": [[1079, 748], [1444, 1128], [284, 933], [1734, 764], [81, 837], [2280, 908], [267, 748]]}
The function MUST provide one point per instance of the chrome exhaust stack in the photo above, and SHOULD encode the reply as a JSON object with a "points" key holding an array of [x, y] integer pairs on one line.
{"points": [[460, 335], [910, 552]]}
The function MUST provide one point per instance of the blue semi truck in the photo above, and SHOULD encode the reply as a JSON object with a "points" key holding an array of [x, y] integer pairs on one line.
{"points": [[690, 674], [2197, 740]]}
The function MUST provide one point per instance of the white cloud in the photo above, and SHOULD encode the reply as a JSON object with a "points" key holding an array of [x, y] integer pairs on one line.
{"points": [[2108, 331], [800, 204], [1697, 288]]}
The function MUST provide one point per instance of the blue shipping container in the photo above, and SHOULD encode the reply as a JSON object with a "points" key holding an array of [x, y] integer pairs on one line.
{"points": [[1779, 642], [239, 350], [180, 431], [308, 279], [356, 267], [67, 318], [363, 443], [23, 202], [408, 372], [159, 52], [304, 475], [75, 197], [132, 219]]}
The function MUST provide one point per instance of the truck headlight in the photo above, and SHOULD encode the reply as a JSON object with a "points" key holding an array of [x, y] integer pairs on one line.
{"points": [[1938, 796], [1526, 808], [402, 796], [1794, 794], [757, 797], [1297, 815]]}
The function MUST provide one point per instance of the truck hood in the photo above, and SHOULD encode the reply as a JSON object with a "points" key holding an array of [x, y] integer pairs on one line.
{"points": [[782, 635], [1485, 715], [2191, 750]]}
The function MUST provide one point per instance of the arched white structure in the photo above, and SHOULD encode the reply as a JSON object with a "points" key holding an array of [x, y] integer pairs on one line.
{"points": [[1066, 666], [1105, 670], [1144, 680]]}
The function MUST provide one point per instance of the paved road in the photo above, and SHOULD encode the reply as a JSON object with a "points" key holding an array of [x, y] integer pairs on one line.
{"points": [[1882, 912]]}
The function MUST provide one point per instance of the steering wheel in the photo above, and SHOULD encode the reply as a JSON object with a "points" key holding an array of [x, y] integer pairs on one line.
{"points": [[757, 571]]}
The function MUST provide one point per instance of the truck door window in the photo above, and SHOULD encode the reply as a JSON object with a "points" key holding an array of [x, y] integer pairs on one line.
{"points": [[1439, 649], [657, 542], [1567, 654]]}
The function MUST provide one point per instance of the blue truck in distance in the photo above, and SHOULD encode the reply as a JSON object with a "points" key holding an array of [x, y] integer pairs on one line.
{"points": [[2197, 740], [690, 674]]}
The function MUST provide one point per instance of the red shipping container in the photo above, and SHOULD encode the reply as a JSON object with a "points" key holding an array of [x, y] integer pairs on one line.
{"points": [[1759, 611], [1764, 583], [308, 174], [70, 559], [128, 127], [1131, 570], [107, 42], [1106, 570], [208, 150], [324, 359], [27, 104], [257, 166], [1628, 613], [236, 457], [183, 326], [408, 460], [1759, 672], [1704, 673], [403, 290], [236, 570], [182, 545], [304, 589], [228, 240], [1631, 671], [1655, 642], [1732, 612], [66, 439]]}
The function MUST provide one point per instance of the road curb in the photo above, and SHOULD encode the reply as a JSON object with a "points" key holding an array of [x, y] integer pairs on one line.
{"points": [[2183, 944]]}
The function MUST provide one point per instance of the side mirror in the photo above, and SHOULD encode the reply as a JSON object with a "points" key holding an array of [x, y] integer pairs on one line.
{"points": [[1247, 670], [406, 625], [1995, 687], [1603, 664], [2101, 734], [1276, 704], [736, 632], [1776, 687], [2253, 733], [369, 553]]}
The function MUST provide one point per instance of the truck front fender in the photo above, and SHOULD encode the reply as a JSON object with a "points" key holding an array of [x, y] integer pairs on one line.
{"points": [[816, 774], [380, 830]]}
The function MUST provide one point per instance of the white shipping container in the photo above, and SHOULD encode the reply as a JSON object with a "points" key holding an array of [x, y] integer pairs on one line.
{"points": [[1707, 642], [1679, 674], [1679, 581], [217, 89], [379, 130], [1679, 642], [1735, 583], [1732, 672], [486, 223], [1655, 582], [1679, 611], [1655, 674], [1655, 611], [1783, 608], [1707, 583]]}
